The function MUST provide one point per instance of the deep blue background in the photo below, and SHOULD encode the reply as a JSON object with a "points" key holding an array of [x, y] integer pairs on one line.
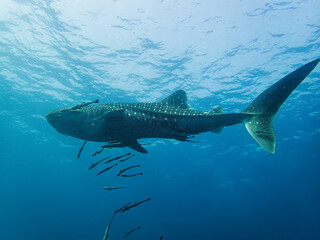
{"points": [[55, 54]]}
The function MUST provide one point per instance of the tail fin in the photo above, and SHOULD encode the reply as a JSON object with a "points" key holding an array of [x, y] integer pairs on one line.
{"points": [[267, 104]]}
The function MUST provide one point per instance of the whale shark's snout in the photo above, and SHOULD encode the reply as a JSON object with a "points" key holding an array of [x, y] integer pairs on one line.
{"points": [[60, 119], [53, 116], [67, 121]]}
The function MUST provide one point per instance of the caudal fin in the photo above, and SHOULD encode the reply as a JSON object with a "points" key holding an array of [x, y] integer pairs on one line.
{"points": [[267, 104]]}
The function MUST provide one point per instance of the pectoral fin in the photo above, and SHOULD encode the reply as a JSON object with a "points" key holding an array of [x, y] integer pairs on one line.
{"points": [[136, 146]]}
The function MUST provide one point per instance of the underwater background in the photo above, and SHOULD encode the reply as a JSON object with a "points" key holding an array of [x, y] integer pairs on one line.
{"points": [[60, 53]]}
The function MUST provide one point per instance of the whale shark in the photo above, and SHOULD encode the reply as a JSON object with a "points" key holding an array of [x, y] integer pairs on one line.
{"points": [[125, 124]]}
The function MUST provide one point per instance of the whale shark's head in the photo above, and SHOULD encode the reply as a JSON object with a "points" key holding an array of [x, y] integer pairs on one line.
{"points": [[65, 120]]}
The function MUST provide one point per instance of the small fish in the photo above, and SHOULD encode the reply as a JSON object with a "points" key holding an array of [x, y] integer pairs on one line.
{"points": [[106, 158], [106, 235], [109, 188], [130, 175], [133, 230], [136, 204], [81, 148], [84, 104], [113, 145], [120, 209], [108, 168], [96, 163], [116, 158], [125, 159], [126, 169], [97, 152]]}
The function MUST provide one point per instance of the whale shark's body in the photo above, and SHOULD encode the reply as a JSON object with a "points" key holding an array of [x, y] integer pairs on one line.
{"points": [[123, 124]]}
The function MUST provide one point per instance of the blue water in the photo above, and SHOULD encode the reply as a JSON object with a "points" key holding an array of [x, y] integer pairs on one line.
{"points": [[60, 53]]}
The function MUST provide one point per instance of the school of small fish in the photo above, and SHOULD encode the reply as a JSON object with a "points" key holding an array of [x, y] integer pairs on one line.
{"points": [[129, 205]]}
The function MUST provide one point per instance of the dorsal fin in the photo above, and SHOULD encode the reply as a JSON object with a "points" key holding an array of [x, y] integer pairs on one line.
{"points": [[176, 99]]}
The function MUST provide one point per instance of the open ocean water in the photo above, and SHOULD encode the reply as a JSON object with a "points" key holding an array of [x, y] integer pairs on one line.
{"points": [[60, 53]]}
